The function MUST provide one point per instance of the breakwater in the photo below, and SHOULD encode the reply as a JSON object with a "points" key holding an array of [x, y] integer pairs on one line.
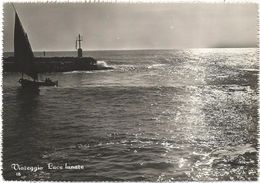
{"points": [[55, 64]]}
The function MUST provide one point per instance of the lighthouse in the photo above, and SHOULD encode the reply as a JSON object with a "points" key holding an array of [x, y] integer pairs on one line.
{"points": [[78, 46]]}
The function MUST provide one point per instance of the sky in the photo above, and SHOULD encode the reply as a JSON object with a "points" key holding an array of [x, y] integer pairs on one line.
{"points": [[54, 26]]}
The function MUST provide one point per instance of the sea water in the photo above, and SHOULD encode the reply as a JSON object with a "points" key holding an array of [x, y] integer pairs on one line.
{"points": [[159, 115]]}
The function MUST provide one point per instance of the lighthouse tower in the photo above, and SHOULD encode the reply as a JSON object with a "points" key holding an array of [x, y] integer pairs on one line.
{"points": [[78, 46]]}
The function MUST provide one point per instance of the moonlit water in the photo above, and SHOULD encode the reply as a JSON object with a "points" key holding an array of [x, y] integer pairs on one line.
{"points": [[158, 116]]}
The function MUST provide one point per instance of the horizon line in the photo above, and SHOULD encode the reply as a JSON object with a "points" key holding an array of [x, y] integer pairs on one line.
{"points": [[137, 49]]}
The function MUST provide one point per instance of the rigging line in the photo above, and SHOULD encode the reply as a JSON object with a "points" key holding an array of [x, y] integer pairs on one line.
{"points": [[14, 7]]}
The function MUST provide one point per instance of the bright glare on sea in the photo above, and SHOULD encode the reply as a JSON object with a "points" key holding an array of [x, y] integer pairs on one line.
{"points": [[162, 115]]}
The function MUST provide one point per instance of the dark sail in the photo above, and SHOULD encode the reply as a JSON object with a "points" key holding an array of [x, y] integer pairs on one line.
{"points": [[23, 51]]}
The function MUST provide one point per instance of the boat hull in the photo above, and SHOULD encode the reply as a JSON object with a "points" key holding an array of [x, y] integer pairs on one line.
{"points": [[36, 84]]}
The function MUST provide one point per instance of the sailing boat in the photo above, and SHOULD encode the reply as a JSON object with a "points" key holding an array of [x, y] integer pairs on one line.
{"points": [[25, 59]]}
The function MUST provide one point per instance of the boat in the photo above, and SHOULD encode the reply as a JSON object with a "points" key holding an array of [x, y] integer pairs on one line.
{"points": [[25, 59], [28, 83]]}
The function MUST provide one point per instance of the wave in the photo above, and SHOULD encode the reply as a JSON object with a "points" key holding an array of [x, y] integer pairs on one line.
{"points": [[156, 65], [126, 67], [77, 72], [101, 64], [227, 155], [251, 70]]}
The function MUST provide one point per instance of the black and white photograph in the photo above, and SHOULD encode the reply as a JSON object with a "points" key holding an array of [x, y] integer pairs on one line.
{"points": [[130, 91]]}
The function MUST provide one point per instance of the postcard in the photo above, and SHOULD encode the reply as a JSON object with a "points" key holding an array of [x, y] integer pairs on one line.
{"points": [[130, 91]]}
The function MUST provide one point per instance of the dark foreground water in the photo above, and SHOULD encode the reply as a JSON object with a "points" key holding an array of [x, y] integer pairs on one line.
{"points": [[158, 116]]}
